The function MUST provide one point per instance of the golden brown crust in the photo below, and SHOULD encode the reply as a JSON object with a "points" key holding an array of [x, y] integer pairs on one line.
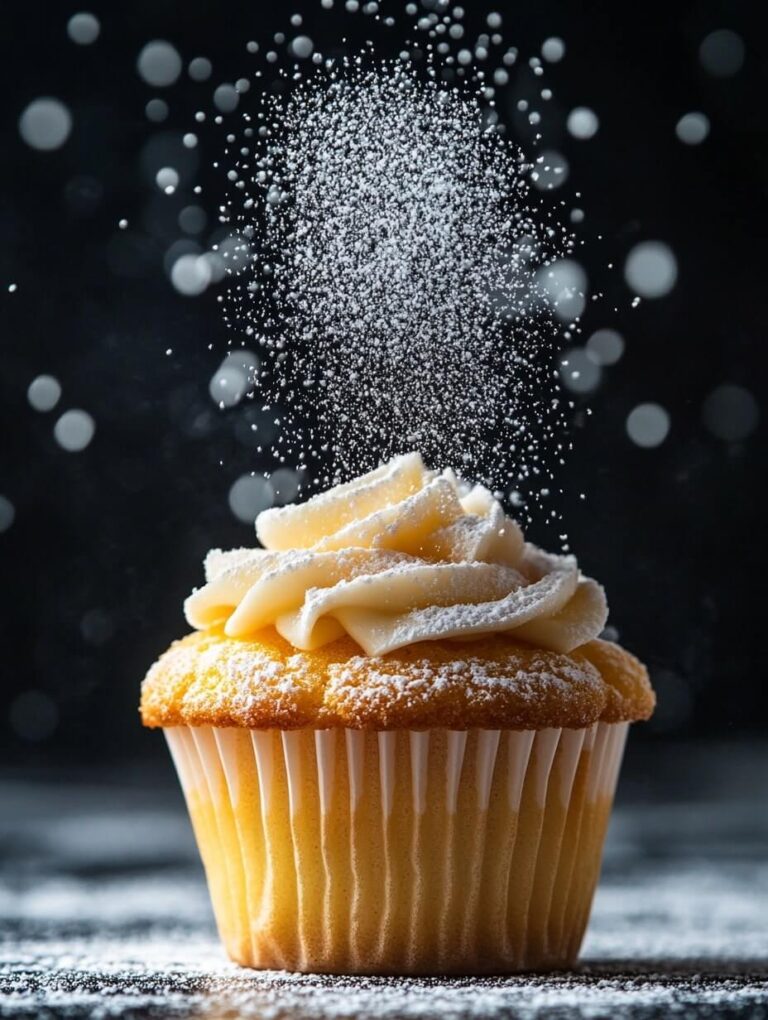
{"points": [[630, 695], [208, 679]]}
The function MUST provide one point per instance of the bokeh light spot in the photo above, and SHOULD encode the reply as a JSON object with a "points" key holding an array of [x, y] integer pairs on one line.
{"points": [[159, 63], [553, 49], [234, 377], [551, 171], [226, 98], [565, 285], [651, 269], [648, 425], [285, 485], [190, 275], [579, 372], [83, 28], [249, 495], [74, 430], [692, 128], [156, 110], [722, 53], [167, 179], [605, 346], [582, 122], [44, 392], [45, 124], [200, 69], [193, 219], [731, 412], [302, 47]]}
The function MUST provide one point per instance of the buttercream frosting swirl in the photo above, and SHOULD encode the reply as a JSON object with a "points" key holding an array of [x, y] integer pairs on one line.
{"points": [[400, 555]]}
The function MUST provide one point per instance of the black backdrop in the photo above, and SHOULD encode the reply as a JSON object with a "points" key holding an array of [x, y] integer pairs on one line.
{"points": [[106, 542]]}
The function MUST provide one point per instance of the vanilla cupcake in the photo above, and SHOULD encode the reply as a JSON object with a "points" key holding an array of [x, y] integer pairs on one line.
{"points": [[398, 734]]}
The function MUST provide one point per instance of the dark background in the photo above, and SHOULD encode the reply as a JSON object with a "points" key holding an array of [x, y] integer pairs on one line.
{"points": [[106, 542]]}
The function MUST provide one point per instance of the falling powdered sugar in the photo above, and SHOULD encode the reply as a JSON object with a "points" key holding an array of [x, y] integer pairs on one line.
{"points": [[390, 262]]}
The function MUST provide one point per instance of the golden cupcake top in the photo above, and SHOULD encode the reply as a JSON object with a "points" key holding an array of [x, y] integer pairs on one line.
{"points": [[403, 599], [262, 682]]}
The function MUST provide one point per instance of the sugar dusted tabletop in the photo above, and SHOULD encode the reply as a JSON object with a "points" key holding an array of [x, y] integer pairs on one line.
{"points": [[105, 913]]}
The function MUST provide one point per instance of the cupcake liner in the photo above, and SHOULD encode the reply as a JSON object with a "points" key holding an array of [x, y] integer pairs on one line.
{"points": [[348, 851]]}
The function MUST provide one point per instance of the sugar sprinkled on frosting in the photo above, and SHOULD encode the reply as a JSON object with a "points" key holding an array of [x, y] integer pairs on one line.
{"points": [[400, 555]]}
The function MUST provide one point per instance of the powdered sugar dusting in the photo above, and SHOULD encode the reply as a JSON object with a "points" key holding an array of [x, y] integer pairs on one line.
{"points": [[395, 255], [422, 682], [105, 914]]}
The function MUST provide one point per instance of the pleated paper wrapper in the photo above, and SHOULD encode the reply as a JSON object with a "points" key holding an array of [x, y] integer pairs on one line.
{"points": [[404, 852]]}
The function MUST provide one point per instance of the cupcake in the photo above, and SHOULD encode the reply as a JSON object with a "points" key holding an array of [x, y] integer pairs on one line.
{"points": [[398, 734]]}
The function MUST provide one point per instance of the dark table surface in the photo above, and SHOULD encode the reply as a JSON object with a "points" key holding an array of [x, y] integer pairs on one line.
{"points": [[105, 913]]}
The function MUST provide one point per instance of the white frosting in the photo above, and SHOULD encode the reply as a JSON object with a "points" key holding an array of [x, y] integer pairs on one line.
{"points": [[397, 556]]}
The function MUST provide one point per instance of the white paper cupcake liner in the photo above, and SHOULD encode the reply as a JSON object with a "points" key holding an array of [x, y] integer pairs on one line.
{"points": [[400, 852]]}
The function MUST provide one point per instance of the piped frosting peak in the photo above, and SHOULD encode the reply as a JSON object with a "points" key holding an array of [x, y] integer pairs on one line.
{"points": [[398, 556]]}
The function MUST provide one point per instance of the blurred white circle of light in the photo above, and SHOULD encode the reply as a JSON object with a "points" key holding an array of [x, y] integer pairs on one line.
{"points": [[74, 430], [7, 513], [83, 28], [228, 386], [553, 49], [285, 485], [184, 246], [235, 377], [167, 179], [45, 124], [731, 412], [193, 219], [722, 53], [583, 122], [189, 140], [605, 346], [579, 372], [217, 267], [33, 715], [200, 69], [159, 63], [156, 110], [565, 285], [249, 495], [244, 359], [235, 252], [226, 98], [651, 269], [692, 128], [44, 392], [191, 274], [302, 47], [551, 170], [648, 425]]}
